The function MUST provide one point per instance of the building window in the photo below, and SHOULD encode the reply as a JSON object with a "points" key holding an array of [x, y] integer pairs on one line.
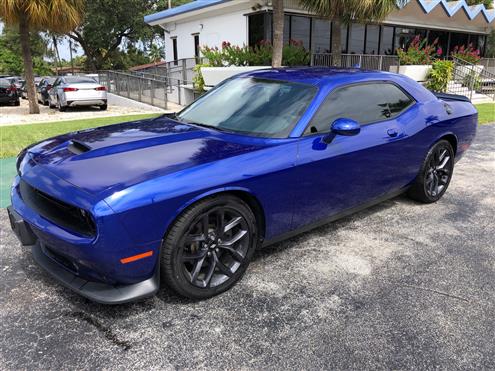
{"points": [[372, 39], [174, 50], [443, 40], [403, 37], [458, 39], [356, 39], [260, 28], [301, 30], [321, 36], [286, 29], [387, 41], [196, 46], [344, 33]]}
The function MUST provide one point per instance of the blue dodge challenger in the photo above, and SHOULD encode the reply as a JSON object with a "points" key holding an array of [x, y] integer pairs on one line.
{"points": [[185, 199]]}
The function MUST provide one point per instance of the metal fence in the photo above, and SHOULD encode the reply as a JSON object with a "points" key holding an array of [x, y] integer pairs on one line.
{"points": [[160, 91], [365, 61], [472, 80]]}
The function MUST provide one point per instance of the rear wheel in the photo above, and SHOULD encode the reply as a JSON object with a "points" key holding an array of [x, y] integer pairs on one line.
{"points": [[209, 247], [103, 107], [435, 174], [60, 107]]}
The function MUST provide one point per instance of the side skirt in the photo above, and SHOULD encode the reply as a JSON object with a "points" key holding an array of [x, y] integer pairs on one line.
{"points": [[333, 218]]}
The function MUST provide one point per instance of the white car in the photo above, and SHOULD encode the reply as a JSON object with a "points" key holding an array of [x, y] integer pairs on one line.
{"points": [[72, 91]]}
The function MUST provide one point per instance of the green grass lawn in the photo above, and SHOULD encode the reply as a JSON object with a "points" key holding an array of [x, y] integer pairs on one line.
{"points": [[486, 112], [14, 138]]}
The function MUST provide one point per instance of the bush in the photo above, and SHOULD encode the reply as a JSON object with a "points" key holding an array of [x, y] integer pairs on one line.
{"points": [[472, 81], [419, 52], [468, 54], [293, 54], [440, 75], [198, 81]]}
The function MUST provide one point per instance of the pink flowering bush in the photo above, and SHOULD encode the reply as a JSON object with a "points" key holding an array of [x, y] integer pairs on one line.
{"points": [[468, 54], [419, 52]]}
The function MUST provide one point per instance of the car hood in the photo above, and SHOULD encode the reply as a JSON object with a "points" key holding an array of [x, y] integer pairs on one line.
{"points": [[118, 156]]}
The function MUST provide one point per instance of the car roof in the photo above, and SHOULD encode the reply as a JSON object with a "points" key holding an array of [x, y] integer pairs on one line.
{"points": [[318, 75]]}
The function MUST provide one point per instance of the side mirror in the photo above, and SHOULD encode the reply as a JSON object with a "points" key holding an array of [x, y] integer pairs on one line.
{"points": [[342, 126], [347, 127]]}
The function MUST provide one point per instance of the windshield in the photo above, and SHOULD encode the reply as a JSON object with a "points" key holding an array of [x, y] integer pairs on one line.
{"points": [[267, 108]]}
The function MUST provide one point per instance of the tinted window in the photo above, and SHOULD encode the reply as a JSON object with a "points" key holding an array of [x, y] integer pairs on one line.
{"points": [[257, 107], [364, 103]]}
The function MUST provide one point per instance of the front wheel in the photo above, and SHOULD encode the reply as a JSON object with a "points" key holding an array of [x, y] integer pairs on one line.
{"points": [[435, 174], [209, 247]]}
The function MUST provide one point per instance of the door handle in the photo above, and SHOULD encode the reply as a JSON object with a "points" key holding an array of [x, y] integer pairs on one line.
{"points": [[392, 133]]}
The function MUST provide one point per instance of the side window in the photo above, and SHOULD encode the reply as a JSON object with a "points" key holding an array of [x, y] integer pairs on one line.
{"points": [[365, 103]]}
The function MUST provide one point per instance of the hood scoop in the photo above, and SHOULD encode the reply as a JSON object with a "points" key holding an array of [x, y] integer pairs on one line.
{"points": [[78, 147]]}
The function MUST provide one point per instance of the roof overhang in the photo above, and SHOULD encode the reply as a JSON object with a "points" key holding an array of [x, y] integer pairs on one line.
{"points": [[452, 15]]}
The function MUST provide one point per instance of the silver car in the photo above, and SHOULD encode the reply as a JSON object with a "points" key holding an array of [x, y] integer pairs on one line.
{"points": [[72, 91]]}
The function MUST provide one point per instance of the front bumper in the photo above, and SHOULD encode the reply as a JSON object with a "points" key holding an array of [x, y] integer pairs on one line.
{"points": [[100, 292]]}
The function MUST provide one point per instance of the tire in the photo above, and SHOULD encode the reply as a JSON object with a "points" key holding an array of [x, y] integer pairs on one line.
{"points": [[435, 174], [60, 107], [50, 104], [220, 268], [46, 102], [103, 107], [17, 103]]}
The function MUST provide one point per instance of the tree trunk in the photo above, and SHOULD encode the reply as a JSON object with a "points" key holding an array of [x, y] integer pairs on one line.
{"points": [[55, 45], [28, 65], [278, 32], [336, 42]]}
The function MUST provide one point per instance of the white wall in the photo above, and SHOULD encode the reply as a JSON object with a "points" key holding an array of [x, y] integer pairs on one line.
{"points": [[215, 29]]}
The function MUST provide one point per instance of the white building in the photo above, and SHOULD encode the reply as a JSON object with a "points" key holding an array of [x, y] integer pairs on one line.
{"points": [[246, 22]]}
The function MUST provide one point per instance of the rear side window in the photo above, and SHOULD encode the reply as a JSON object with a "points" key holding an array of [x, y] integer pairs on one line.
{"points": [[364, 103]]}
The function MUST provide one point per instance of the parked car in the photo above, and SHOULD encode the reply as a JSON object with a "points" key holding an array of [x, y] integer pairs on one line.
{"points": [[15, 80], [259, 158], [72, 91], [8, 93], [23, 89], [43, 89]]}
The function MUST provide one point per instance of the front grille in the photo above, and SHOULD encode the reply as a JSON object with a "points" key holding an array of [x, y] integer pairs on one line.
{"points": [[62, 260], [58, 212]]}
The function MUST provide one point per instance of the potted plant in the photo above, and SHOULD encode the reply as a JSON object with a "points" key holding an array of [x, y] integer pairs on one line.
{"points": [[415, 61]]}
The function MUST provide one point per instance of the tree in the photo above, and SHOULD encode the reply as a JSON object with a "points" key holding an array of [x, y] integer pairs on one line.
{"points": [[347, 11], [11, 57], [30, 15], [278, 32], [104, 32]]}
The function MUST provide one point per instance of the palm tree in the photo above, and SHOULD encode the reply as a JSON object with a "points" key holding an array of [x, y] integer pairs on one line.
{"points": [[278, 32], [60, 16], [347, 11]]}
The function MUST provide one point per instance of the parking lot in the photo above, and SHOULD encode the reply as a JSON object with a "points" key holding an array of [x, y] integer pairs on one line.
{"points": [[117, 106], [399, 286]]}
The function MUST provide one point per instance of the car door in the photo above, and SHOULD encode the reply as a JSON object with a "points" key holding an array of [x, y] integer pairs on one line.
{"points": [[353, 170], [55, 90]]}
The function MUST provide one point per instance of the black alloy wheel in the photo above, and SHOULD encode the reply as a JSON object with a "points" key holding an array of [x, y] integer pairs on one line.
{"points": [[209, 247], [435, 174]]}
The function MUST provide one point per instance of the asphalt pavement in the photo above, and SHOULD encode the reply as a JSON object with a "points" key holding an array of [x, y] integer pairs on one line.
{"points": [[399, 286]]}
